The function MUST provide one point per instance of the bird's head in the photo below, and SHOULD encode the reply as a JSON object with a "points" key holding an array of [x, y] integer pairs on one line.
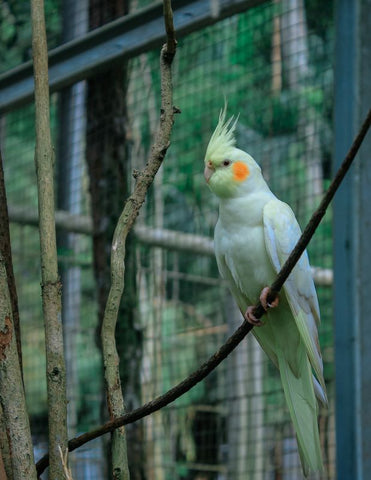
{"points": [[229, 172]]}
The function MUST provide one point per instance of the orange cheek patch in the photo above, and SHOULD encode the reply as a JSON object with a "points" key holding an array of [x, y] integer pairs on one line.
{"points": [[240, 171]]}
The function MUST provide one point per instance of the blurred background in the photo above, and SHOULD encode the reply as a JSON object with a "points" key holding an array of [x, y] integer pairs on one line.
{"points": [[274, 62]]}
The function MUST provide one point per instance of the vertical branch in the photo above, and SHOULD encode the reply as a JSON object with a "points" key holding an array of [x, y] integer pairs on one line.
{"points": [[6, 251], [51, 286], [131, 209], [170, 31], [2, 469], [6, 459], [12, 398]]}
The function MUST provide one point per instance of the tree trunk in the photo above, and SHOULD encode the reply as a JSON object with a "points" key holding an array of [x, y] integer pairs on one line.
{"points": [[12, 397], [5, 251]]}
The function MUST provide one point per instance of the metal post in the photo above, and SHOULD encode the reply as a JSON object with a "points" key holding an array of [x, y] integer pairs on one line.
{"points": [[364, 244], [352, 233]]}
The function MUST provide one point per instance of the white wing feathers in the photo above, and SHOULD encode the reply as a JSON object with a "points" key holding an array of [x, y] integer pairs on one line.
{"points": [[281, 232]]}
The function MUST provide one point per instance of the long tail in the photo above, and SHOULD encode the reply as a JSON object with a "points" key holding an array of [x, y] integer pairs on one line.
{"points": [[303, 407]]}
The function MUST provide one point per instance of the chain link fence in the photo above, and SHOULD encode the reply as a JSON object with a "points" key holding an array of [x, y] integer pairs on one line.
{"points": [[273, 62]]}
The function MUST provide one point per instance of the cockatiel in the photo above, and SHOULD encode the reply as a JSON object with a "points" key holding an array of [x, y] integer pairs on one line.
{"points": [[254, 235]]}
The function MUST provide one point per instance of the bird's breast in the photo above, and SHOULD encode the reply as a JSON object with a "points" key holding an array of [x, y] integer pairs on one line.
{"points": [[242, 251]]}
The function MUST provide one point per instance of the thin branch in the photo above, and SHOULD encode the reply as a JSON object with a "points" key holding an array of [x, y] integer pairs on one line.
{"points": [[240, 333], [64, 460], [2, 468], [316, 217], [6, 251], [131, 209], [154, 237], [12, 398], [51, 286], [170, 31]]}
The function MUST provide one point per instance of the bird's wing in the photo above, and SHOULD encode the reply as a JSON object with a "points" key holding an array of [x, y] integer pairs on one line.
{"points": [[234, 273], [281, 232]]}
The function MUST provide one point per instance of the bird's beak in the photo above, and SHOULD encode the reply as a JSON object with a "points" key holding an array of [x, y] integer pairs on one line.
{"points": [[209, 170]]}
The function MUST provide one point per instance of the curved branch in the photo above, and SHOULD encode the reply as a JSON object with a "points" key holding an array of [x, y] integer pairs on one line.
{"points": [[115, 397], [232, 342], [316, 218]]}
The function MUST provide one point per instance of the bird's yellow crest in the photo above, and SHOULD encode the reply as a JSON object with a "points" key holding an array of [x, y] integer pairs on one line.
{"points": [[222, 140]]}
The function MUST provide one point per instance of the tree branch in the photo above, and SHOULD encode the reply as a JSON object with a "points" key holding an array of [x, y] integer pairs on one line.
{"points": [[12, 399], [154, 237], [170, 31], [316, 217], [6, 252], [131, 209], [232, 342], [51, 286]]}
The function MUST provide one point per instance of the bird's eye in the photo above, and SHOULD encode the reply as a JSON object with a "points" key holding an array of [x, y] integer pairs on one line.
{"points": [[226, 163]]}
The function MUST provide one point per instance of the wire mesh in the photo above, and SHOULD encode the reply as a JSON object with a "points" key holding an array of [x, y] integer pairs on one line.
{"points": [[273, 63]]}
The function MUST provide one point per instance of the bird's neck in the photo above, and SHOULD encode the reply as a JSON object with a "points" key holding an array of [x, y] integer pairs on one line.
{"points": [[247, 208]]}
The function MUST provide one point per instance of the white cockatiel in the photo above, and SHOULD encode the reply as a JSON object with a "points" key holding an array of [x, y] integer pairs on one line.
{"points": [[254, 235]]}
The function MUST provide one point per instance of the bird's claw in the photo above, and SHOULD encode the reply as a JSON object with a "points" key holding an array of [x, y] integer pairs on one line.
{"points": [[250, 317], [264, 299]]}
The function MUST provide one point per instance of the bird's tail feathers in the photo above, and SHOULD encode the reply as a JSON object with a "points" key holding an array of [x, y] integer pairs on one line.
{"points": [[303, 407], [320, 392]]}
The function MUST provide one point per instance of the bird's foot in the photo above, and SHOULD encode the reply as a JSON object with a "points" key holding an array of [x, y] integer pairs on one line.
{"points": [[264, 299], [250, 317]]}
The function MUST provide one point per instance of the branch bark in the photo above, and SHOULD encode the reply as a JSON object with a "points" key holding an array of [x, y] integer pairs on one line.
{"points": [[51, 286], [131, 209], [12, 397], [232, 342], [6, 251], [170, 31], [107, 162]]}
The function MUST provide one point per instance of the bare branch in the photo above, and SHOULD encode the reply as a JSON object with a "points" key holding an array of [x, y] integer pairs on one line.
{"points": [[6, 251], [131, 209], [12, 397], [170, 31], [51, 286], [238, 335], [316, 217], [154, 237], [64, 460]]}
